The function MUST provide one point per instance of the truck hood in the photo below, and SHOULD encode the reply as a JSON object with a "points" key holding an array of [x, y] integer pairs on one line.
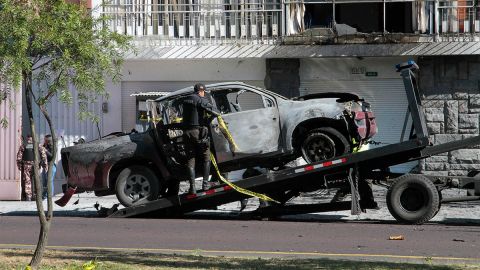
{"points": [[93, 151], [341, 97]]}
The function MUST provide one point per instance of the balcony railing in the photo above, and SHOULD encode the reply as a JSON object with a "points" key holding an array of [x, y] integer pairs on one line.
{"points": [[196, 22], [458, 19]]}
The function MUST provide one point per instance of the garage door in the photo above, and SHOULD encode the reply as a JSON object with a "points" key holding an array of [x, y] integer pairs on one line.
{"points": [[388, 100], [129, 104]]}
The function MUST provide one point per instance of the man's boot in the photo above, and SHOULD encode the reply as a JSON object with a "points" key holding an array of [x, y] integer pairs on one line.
{"points": [[206, 174], [191, 179]]}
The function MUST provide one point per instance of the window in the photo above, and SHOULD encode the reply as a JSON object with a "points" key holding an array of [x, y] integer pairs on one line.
{"points": [[237, 100], [171, 110]]}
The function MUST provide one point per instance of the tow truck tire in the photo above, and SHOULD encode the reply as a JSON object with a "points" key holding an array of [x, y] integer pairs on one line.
{"points": [[323, 143], [136, 184], [413, 199]]}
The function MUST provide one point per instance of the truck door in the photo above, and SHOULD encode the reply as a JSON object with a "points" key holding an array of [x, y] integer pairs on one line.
{"points": [[252, 119]]}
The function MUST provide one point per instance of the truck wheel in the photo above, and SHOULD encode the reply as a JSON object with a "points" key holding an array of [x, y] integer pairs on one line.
{"points": [[413, 199], [136, 184], [323, 143]]}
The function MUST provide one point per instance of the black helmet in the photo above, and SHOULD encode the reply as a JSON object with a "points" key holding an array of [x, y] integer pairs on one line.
{"points": [[198, 87]]}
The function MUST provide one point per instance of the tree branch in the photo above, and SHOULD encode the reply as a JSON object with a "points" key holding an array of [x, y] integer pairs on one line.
{"points": [[42, 65]]}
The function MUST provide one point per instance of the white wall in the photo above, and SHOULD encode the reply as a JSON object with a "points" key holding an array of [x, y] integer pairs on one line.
{"points": [[10, 188], [112, 120], [195, 70], [340, 68]]}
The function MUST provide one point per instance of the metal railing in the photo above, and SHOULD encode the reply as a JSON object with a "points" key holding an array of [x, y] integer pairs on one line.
{"points": [[458, 19], [197, 22]]}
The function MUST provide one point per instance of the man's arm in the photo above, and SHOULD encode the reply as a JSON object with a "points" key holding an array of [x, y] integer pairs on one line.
{"points": [[20, 157], [207, 106], [43, 158], [48, 153]]}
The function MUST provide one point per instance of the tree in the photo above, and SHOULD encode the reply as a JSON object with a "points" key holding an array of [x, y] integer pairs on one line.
{"points": [[54, 45]]}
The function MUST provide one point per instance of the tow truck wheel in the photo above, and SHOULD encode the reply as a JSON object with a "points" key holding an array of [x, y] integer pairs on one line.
{"points": [[322, 144], [136, 184], [413, 199]]}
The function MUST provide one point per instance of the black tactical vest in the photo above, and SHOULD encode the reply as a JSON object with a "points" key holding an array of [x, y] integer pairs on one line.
{"points": [[28, 152]]}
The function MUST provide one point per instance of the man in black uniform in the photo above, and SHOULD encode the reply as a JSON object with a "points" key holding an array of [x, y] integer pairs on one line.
{"points": [[48, 145], [195, 133]]}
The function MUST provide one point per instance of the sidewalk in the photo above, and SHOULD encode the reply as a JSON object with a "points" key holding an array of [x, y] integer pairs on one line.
{"points": [[82, 205]]}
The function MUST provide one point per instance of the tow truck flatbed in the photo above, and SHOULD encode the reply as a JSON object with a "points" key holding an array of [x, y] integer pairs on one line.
{"points": [[314, 176]]}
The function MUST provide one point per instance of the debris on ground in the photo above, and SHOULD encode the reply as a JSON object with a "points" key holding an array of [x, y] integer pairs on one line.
{"points": [[104, 211], [396, 237]]}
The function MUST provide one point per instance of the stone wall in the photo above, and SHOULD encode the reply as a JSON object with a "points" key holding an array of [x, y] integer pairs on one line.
{"points": [[451, 96]]}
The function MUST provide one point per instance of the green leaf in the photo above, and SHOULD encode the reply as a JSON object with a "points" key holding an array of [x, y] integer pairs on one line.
{"points": [[4, 122]]}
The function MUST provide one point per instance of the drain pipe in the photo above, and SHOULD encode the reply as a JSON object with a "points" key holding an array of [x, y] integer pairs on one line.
{"points": [[437, 28]]}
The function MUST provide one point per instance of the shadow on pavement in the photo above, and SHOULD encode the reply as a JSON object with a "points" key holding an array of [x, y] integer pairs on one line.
{"points": [[137, 260]]}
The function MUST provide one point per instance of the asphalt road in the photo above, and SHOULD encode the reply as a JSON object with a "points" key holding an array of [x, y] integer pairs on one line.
{"points": [[252, 237]]}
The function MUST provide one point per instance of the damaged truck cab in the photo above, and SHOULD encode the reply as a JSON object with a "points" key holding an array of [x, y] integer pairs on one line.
{"points": [[269, 130]]}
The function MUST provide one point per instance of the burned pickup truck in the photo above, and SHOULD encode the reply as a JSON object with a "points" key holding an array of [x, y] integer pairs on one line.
{"points": [[269, 130]]}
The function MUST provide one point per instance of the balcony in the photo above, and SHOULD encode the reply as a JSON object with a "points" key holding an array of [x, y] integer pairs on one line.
{"points": [[215, 22], [181, 22]]}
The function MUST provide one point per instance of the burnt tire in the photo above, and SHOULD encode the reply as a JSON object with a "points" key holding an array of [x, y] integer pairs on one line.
{"points": [[413, 199], [322, 144], [136, 184]]}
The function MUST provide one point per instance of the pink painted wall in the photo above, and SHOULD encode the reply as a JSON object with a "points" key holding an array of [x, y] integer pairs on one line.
{"points": [[10, 188]]}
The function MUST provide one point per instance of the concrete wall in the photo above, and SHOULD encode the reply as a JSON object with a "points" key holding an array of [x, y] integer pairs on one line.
{"points": [[451, 94], [282, 76]]}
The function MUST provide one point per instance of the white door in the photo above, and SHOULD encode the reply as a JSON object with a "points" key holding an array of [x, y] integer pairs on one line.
{"points": [[253, 121]]}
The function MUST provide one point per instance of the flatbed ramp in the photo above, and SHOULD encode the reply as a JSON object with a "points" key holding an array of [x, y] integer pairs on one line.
{"points": [[287, 179]]}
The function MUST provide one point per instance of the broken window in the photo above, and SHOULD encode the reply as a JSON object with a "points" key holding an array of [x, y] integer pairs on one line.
{"points": [[237, 100], [398, 17], [365, 17], [318, 15]]}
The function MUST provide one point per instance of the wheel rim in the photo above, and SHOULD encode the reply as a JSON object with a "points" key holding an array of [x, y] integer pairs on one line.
{"points": [[413, 199], [137, 187], [319, 147]]}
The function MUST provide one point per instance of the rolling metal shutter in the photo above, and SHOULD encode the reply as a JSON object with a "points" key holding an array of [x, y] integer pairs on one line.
{"points": [[387, 98]]}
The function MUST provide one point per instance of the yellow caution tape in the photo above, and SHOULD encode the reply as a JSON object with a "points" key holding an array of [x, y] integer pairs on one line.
{"points": [[360, 147], [223, 127], [237, 188], [177, 120]]}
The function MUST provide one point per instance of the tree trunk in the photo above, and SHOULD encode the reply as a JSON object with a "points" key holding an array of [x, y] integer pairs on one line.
{"points": [[50, 164], [44, 223]]}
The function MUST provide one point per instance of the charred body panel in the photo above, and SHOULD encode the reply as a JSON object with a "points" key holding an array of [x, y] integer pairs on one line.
{"points": [[89, 166], [293, 113]]}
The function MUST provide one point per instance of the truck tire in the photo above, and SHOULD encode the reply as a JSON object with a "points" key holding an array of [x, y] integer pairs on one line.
{"points": [[413, 199], [136, 184], [322, 144]]}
